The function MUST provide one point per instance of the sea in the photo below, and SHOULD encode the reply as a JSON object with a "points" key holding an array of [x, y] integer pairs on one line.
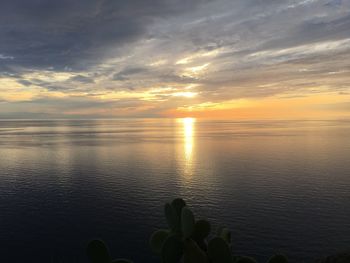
{"points": [[279, 186]]}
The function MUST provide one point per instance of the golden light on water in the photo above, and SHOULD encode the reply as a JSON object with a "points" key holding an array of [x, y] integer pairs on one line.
{"points": [[187, 134], [188, 131]]}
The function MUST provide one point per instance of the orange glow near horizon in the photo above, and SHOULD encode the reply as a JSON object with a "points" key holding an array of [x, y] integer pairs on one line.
{"points": [[319, 106], [173, 101]]}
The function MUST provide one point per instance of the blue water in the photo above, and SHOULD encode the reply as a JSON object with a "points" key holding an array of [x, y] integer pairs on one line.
{"points": [[280, 186]]}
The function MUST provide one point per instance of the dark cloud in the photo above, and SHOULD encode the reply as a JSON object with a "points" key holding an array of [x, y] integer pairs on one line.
{"points": [[311, 31], [126, 73], [334, 3], [82, 79], [54, 87], [72, 107], [24, 82], [76, 34]]}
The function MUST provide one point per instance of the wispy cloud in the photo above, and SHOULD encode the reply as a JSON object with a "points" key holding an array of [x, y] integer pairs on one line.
{"points": [[131, 58]]}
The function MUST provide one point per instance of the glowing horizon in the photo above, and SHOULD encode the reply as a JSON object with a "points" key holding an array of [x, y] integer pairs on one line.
{"points": [[250, 60]]}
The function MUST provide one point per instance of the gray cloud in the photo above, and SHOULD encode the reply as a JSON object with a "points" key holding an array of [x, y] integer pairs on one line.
{"points": [[73, 107], [247, 48], [24, 82], [76, 34], [126, 73], [82, 79]]}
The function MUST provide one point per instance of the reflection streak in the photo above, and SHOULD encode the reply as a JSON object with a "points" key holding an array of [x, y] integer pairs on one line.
{"points": [[188, 133]]}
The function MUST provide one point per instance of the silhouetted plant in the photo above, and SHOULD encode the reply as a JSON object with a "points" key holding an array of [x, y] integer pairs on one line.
{"points": [[187, 241], [343, 257], [278, 259], [98, 252]]}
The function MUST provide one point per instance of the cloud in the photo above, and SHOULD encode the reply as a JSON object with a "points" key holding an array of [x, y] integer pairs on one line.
{"points": [[82, 79], [5, 57], [25, 82], [76, 34], [342, 106], [135, 55], [126, 73]]}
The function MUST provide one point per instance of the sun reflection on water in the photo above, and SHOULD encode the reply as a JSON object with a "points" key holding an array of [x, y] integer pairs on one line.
{"points": [[188, 124], [188, 144]]}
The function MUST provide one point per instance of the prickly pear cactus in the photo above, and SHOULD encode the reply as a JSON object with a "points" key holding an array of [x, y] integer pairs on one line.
{"points": [[219, 251], [193, 253], [121, 261], [245, 259], [157, 240], [178, 204], [172, 217], [187, 222], [187, 240], [172, 250], [278, 259], [225, 234], [201, 231], [97, 252]]}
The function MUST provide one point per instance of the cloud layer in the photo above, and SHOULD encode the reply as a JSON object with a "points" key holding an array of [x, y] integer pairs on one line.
{"points": [[109, 58]]}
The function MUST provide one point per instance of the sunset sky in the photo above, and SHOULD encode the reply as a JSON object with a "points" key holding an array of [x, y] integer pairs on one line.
{"points": [[244, 59]]}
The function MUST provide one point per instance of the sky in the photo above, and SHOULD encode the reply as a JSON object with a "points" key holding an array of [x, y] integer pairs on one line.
{"points": [[231, 59]]}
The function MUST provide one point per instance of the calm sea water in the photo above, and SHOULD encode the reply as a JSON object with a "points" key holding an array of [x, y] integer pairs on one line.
{"points": [[280, 186]]}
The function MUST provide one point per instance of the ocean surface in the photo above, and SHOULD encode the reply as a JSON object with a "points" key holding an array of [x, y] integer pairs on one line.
{"points": [[280, 186]]}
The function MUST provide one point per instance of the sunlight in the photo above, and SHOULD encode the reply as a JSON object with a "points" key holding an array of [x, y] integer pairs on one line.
{"points": [[186, 94], [188, 124], [194, 72]]}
